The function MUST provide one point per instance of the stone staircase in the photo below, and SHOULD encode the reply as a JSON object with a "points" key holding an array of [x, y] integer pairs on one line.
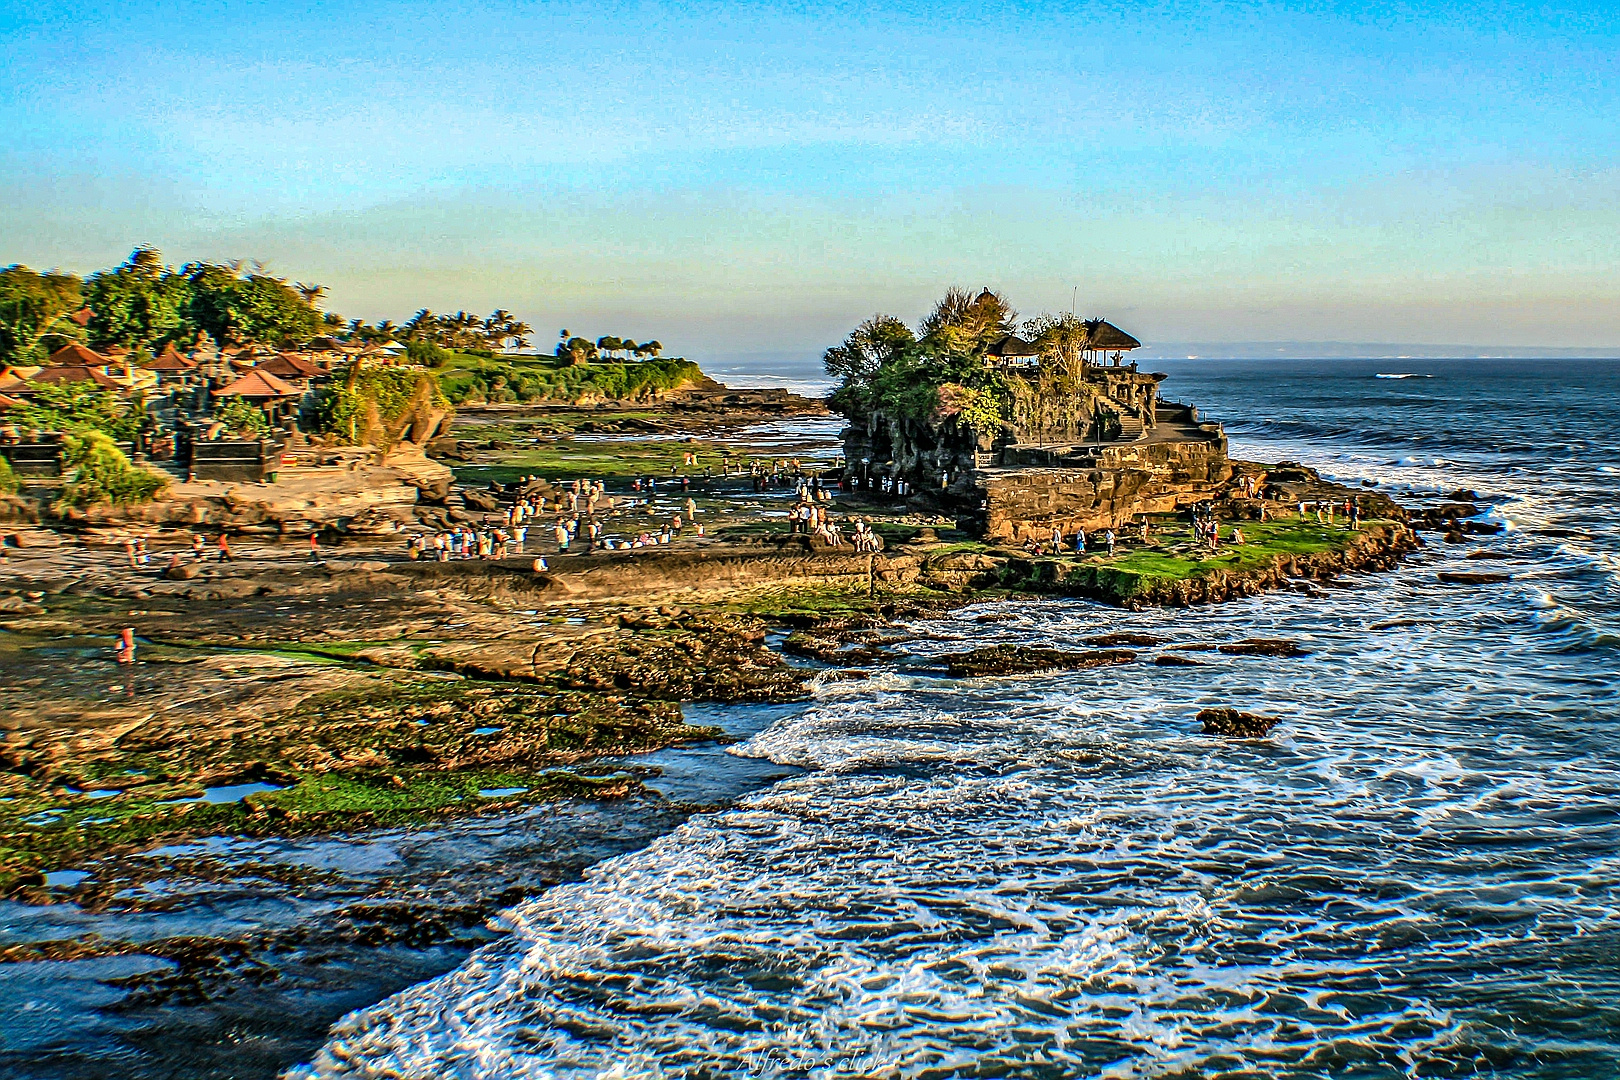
{"points": [[1131, 427]]}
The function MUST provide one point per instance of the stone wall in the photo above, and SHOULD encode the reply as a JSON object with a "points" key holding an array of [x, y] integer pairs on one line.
{"points": [[1114, 485]]}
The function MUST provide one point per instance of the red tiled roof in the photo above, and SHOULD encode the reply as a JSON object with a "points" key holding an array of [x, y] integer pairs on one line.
{"points": [[75, 355], [66, 373], [289, 366], [170, 360], [82, 316], [257, 384]]}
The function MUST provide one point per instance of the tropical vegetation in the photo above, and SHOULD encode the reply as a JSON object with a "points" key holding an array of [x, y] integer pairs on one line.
{"points": [[941, 372], [80, 407], [98, 472]]}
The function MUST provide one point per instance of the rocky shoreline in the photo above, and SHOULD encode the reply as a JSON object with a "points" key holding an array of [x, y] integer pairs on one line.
{"points": [[280, 699]]}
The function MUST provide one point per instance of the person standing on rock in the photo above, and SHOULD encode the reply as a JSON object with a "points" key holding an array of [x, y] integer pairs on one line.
{"points": [[1109, 536], [124, 646], [1079, 541], [314, 547], [225, 549], [691, 510]]}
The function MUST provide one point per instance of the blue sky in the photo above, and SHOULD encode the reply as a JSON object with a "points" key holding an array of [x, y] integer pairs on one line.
{"points": [[755, 178]]}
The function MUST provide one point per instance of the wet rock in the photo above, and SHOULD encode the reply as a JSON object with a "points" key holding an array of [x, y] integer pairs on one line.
{"points": [[1126, 639], [1463, 495], [1173, 660], [1233, 724], [16, 605], [1472, 577], [480, 500], [182, 571], [1478, 555], [1026, 659], [1263, 647]]}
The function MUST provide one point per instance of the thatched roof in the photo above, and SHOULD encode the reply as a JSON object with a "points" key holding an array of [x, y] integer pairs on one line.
{"points": [[1104, 335], [257, 384], [1012, 345]]}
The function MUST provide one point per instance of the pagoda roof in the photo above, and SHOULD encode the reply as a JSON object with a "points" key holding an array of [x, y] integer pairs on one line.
{"points": [[257, 384], [75, 355], [289, 366], [71, 373], [170, 360]]}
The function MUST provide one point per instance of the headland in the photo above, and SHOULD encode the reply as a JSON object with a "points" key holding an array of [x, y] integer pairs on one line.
{"points": [[418, 611]]}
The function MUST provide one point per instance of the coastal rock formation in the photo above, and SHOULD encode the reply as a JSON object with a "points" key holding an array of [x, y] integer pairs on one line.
{"points": [[1468, 577], [1233, 724], [1026, 659], [1094, 488], [1263, 647], [354, 497]]}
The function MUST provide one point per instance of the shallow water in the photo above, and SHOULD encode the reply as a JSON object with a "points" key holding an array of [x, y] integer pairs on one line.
{"points": [[1058, 876]]}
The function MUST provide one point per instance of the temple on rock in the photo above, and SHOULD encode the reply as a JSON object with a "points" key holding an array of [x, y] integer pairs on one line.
{"points": [[1034, 431]]}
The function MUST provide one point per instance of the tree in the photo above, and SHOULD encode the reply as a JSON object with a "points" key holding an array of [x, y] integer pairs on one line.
{"points": [[140, 303], [879, 341], [967, 323], [79, 407], [577, 351], [1062, 340], [255, 307], [609, 344], [425, 353], [36, 313], [242, 418]]}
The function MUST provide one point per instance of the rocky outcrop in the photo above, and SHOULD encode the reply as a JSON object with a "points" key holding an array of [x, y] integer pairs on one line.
{"points": [[1111, 486], [1025, 660], [357, 498], [1467, 577], [1376, 547], [1263, 647], [1234, 724]]}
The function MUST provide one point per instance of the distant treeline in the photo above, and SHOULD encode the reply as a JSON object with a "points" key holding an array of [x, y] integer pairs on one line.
{"points": [[143, 305]]}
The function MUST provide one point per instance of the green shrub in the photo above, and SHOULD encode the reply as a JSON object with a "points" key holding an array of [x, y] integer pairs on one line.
{"points": [[98, 472], [242, 418], [426, 353], [80, 407], [8, 478]]}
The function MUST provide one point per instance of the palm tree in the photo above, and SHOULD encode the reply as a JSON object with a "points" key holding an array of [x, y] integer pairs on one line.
{"points": [[311, 293], [423, 326]]}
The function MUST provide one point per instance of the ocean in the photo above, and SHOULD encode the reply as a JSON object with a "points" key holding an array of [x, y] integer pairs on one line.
{"points": [[1058, 875]]}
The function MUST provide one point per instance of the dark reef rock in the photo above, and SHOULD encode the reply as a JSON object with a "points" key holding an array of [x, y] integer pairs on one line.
{"points": [[1263, 647], [1121, 640], [1233, 724], [1025, 659], [1173, 660], [1472, 577]]}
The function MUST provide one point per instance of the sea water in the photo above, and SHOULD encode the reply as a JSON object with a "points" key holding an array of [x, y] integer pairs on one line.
{"points": [[1058, 875]]}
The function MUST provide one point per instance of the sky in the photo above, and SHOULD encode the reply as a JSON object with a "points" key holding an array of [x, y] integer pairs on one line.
{"points": [[749, 181]]}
